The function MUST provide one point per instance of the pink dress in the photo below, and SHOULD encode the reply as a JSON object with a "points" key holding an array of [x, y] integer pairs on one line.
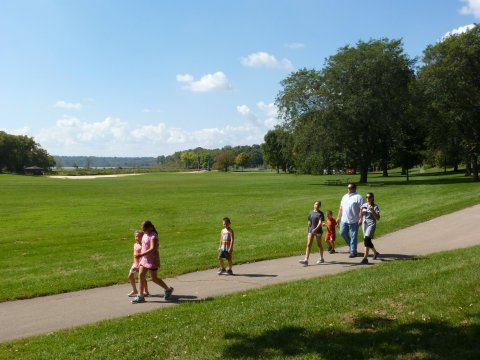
{"points": [[152, 260], [137, 249]]}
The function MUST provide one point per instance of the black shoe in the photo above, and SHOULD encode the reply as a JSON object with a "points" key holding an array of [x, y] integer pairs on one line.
{"points": [[352, 255], [329, 249], [230, 272], [364, 261], [376, 256]]}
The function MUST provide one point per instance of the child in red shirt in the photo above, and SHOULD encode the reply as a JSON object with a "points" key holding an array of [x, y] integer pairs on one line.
{"points": [[331, 223]]}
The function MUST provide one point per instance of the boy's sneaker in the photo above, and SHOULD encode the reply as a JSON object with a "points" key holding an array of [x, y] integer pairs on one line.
{"points": [[304, 262], [364, 261], [138, 299], [320, 261], [332, 251], [230, 272], [221, 271], [168, 293], [376, 256]]}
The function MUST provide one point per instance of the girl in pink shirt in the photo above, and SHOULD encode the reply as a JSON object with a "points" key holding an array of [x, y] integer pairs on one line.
{"points": [[137, 249], [150, 262]]}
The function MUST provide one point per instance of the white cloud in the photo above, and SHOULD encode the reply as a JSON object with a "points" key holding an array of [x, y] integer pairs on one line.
{"points": [[20, 131], [295, 45], [72, 135], [210, 82], [269, 117], [264, 59], [459, 30], [68, 106], [471, 8]]}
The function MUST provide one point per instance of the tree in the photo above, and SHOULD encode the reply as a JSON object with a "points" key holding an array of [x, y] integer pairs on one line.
{"points": [[189, 158], [450, 80], [368, 90], [351, 109], [20, 151], [241, 160], [224, 159], [277, 148]]}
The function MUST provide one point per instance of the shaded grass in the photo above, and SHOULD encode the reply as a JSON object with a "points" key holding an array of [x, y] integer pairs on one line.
{"points": [[64, 235], [424, 308]]}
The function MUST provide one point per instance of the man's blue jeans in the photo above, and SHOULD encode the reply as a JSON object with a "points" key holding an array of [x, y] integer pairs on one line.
{"points": [[349, 233]]}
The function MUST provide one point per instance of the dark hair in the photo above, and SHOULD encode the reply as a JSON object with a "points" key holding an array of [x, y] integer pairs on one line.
{"points": [[371, 194], [227, 219], [148, 224], [319, 202], [352, 185]]}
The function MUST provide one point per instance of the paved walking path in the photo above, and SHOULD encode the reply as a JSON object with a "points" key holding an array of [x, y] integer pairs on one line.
{"points": [[47, 314]]}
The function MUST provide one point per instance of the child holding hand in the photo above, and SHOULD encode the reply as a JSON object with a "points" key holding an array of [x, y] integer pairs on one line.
{"points": [[137, 249]]}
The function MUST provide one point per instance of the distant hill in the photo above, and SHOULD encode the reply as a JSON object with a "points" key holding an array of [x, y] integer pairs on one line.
{"points": [[107, 162]]}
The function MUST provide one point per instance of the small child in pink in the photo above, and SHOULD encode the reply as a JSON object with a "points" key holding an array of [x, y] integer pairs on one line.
{"points": [[137, 249]]}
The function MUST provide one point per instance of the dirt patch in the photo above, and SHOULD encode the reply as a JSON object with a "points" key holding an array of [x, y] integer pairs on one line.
{"points": [[88, 177]]}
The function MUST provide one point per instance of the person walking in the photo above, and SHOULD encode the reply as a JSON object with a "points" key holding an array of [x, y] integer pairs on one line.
{"points": [[314, 230], [150, 262], [369, 215], [348, 215]]}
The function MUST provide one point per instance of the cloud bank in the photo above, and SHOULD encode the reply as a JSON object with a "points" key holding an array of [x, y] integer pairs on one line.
{"points": [[70, 135]]}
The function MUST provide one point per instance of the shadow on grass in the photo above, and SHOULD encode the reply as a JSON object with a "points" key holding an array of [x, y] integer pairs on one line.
{"points": [[420, 179], [370, 337]]}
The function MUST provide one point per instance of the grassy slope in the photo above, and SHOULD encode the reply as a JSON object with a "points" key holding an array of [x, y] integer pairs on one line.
{"points": [[425, 308], [62, 235]]}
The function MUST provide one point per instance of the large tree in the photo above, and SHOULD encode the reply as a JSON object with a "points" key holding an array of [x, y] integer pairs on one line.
{"points": [[352, 109], [450, 78], [368, 90], [20, 151]]}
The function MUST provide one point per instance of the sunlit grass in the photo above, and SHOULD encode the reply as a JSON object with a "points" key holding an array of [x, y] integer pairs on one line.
{"points": [[63, 235]]}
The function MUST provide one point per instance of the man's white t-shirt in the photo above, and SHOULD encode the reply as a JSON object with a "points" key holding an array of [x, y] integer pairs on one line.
{"points": [[350, 204]]}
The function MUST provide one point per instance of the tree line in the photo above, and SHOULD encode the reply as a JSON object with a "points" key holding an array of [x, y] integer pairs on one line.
{"points": [[219, 159], [372, 106], [20, 151]]}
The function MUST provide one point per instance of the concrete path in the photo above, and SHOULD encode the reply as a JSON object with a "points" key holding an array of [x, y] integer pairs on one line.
{"points": [[51, 313]]}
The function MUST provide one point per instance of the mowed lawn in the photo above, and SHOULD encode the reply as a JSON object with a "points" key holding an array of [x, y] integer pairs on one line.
{"points": [[61, 235]]}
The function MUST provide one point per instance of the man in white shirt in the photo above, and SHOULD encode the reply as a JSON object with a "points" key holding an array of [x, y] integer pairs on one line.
{"points": [[348, 214]]}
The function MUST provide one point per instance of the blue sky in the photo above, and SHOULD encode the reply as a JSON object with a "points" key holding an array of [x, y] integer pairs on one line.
{"points": [[148, 78]]}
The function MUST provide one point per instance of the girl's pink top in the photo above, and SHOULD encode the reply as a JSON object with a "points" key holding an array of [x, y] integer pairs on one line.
{"points": [[137, 249], [152, 260]]}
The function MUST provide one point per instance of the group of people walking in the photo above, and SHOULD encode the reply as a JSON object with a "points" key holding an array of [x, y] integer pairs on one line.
{"points": [[353, 212]]}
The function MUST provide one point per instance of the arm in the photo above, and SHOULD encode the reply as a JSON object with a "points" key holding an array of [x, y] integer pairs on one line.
{"points": [[339, 216], [360, 216], [152, 247], [376, 214], [231, 242], [220, 243]]}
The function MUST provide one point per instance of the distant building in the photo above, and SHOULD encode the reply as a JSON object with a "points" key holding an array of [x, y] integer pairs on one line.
{"points": [[33, 170]]}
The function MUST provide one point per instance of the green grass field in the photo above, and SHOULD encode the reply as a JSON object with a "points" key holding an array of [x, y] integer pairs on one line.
{"points": [[424, 308], [63, 235]]}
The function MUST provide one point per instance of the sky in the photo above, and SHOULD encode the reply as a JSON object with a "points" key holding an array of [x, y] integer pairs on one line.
{"points": [[147, 78]]}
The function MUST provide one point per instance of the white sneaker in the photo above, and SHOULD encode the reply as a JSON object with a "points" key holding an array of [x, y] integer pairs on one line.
{"points": [[320, 261], [304, 262]]}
